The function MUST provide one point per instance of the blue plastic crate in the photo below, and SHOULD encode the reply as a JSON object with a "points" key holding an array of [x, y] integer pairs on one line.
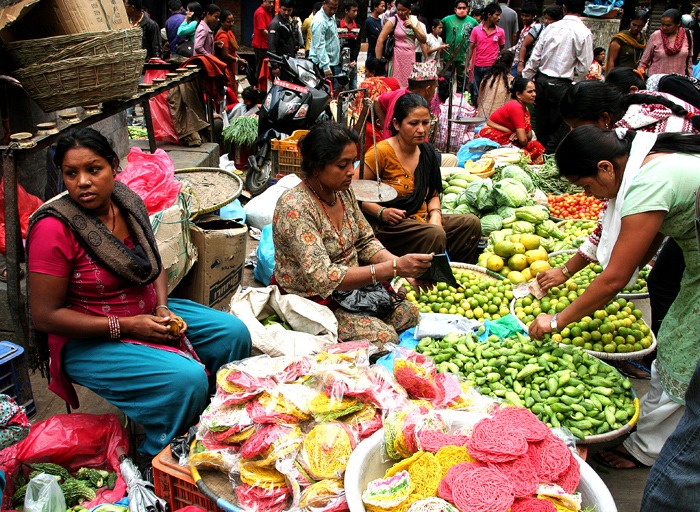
{"points": [[14, 376]]}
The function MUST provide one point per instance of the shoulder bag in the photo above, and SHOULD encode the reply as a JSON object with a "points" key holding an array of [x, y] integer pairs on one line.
{"points": [[390, 42]]}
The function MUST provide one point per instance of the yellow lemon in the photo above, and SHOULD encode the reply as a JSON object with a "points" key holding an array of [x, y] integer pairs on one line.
{"points": [[516, 277], [517, 262], [536, 255], [527, 274], [494, 263], [539, 266], [519, 248], [530, 241]]}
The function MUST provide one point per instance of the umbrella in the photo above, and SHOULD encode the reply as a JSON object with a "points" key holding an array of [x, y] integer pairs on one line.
{"points": [[142, 496]]}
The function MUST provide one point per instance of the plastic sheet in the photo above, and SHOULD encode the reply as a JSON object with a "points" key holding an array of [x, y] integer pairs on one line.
{"points": [[163, 126], [27, 204], [152, 177]]}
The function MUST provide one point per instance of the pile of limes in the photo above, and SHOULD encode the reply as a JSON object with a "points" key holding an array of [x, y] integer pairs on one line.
{"points": [[476, 297], [616, 328], [577, 231], [586, 275]]}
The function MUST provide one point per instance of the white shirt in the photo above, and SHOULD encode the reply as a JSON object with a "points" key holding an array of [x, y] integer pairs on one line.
{"points": [[434, 42], [566, 47]]}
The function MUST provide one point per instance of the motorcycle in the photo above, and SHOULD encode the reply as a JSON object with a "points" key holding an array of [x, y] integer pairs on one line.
{"points": [[299, 98]]}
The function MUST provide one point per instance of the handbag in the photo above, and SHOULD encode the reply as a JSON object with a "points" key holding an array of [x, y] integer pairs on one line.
{"points": [[390, 43], [185, 48], [373, 299]]}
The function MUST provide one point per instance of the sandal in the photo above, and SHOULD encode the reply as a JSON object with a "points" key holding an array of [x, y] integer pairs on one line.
{"points": [[632, 369], [603, 457], [3, 274]]}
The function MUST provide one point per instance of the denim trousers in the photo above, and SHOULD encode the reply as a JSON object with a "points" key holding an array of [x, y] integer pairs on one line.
{"points": [[674, 480]]}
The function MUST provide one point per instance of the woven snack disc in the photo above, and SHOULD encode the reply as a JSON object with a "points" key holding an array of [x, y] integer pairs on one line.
{"points": [[431, 505], [387, 493], [324, 408], [481, 489], [365, 422], [456, 471], [532, 505], [326, 450], [521, 473], [449, 456], [562, 501], [417, 381], [403, 465], [262, 439], [393, 422], [229, 437], [522, 420], [432, 440], [326, 496], [252, 497], [551, 457], [570, 478], [425, 475], [259, 476], [282, 447], [491, 443], [448, 389]]}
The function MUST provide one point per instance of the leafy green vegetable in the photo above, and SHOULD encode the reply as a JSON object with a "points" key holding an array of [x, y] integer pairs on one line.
{"points": [[479, 195], [518, 174], [547, 178], [490, 223], [243, 131], [509, 192]]}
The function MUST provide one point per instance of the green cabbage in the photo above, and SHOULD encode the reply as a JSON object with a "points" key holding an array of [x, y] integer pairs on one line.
{"points": [[465, 209], [548, 229], [505, 211], [449, 201], [479, 195], [509, 192], [490, 223], [518, 174]]}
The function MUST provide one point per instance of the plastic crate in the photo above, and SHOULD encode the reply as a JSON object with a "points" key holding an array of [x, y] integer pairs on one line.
{"points": [[14, 376], [285, 154], [174, 484]]}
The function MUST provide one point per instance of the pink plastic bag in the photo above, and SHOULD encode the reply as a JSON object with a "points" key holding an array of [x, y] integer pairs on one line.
{"points": [[73, 441], [163, 126], [152, 177]]}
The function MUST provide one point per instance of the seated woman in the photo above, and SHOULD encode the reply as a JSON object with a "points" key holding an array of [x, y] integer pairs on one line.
{"points": [[511, 124], [323, 244], [98, 289], [413, 222]]}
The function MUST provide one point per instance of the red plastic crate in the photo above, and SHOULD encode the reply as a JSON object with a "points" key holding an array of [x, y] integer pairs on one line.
{"points": [[174, 484]]}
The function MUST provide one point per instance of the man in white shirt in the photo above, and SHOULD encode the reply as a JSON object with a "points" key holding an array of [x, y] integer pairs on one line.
{"points": [[564, 49]]}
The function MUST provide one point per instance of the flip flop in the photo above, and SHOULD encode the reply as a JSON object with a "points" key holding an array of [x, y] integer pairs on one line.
{"points": [[632, 369], [618, 451], [3, 274]]}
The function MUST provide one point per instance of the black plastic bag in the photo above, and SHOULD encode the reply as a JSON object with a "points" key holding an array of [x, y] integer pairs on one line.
{"points": [[440, 271], [372, 299]]}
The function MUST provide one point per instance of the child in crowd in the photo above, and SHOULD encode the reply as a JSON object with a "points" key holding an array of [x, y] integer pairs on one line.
{"points": [[595, 72], [436, 45]]}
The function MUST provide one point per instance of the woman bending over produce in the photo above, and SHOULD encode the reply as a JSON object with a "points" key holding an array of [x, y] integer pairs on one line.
{"points": [[413, 222], [510, 124], [98, 289], [651, 182], [324, 245]]}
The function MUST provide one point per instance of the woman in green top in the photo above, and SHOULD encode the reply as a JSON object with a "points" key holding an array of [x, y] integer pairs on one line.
{"points": [[651, 182], [626, 47]]}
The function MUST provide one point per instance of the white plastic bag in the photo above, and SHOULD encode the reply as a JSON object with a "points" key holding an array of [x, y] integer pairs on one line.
{"points": [[260, 209], [44, 495]]}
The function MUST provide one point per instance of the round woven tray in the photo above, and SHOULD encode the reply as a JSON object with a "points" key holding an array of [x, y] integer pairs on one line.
{"points": [[215, 486], [616, 356], [614, 434], [628, 296], [213, 188]]}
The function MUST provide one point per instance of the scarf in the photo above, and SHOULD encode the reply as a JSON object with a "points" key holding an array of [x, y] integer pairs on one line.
{"points": [[626, 37], [612, 220], [140, 266], [426, 180], [677, 45]]}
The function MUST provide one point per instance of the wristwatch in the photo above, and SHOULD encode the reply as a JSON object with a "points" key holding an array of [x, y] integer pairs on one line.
{"points": [[553, 321]]}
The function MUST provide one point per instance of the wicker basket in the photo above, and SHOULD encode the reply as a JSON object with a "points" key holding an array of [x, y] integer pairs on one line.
{"points": [[82, 80], [50, 49], [286, 158]]}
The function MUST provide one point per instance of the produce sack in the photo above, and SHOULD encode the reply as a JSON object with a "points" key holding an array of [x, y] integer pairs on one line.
{"points": [[73, 441], [163, 127], [152, 177], [27, 205], [260, 209], [265, 252], [314, 325], [474, 149]]}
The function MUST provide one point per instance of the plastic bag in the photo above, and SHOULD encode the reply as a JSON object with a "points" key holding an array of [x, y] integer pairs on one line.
{"points": [[73, 441], [473, 150], [163, 127], [260, 209], [233, 211], [266, 257], [44, 495], [372, 300], [27, 205], [152, 177]]}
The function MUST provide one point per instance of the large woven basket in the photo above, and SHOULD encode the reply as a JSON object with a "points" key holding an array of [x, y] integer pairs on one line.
{"points": [[48, 49], [82, 80]]}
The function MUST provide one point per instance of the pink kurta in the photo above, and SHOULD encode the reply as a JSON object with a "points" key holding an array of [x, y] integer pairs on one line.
{"points": [[404, 53]]}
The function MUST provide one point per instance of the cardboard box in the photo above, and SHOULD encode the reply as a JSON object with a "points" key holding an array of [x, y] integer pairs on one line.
{"points": [[221, 245], [61, 17], [177, 253]]}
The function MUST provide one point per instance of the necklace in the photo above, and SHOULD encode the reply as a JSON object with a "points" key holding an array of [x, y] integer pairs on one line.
{"points": [[114, 216], [330, 203]]}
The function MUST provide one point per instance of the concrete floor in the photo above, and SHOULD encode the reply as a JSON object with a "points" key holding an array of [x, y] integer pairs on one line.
{"points": [[626, 486]]}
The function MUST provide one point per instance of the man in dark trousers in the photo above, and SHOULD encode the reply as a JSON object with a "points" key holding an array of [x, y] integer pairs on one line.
{"points": [[150, 40], [564, 49], [373, 26], [349, 34], [262, 17], [284, 35], [173, 23]]}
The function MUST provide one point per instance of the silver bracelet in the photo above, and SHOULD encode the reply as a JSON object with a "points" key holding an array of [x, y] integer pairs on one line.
{"points": [[553, 323], [160, 306], [373, 273]]}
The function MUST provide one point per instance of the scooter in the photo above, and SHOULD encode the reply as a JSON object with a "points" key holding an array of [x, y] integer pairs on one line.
{"points": [[299, 97]]}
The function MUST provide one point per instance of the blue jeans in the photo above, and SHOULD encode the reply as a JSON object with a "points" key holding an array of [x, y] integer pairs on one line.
{"points": [[674, 480], [479, 74]]}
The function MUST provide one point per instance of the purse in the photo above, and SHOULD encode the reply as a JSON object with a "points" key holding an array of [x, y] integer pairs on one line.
{"points": [[390, 43], [185, 48], [373, 299]]}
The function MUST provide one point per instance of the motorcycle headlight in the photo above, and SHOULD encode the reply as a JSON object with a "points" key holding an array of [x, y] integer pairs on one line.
{"points": [[308, 78]]}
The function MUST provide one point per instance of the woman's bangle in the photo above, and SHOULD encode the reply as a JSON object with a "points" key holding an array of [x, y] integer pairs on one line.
{"points": [[115, 331], [160, 306], [564, 270], [430, 212], [394, 268], [373, 273], [379, 213]]}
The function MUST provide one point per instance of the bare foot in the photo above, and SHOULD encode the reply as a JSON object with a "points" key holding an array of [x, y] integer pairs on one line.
{"points": [[617, 457]]}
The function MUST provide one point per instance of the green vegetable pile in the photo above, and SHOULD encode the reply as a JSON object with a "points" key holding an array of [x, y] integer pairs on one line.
{"points": [[76, 489], [243, 131], [547, 178], [136, 132], [531, 220], [586, 275], [577, 231], [562, 385]]}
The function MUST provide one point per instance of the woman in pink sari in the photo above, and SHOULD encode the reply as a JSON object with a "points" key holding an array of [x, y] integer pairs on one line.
{"points": [[406, 30]]}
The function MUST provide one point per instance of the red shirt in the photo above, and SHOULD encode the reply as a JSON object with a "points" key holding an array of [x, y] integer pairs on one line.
{"points": [[261, 20], [511, 116]]}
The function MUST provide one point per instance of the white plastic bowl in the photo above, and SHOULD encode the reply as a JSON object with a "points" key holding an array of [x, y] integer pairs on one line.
{"points": [[366, 464]]}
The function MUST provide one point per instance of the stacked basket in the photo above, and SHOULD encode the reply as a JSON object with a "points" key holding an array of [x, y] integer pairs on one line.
{"points": [[82, 69]]}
